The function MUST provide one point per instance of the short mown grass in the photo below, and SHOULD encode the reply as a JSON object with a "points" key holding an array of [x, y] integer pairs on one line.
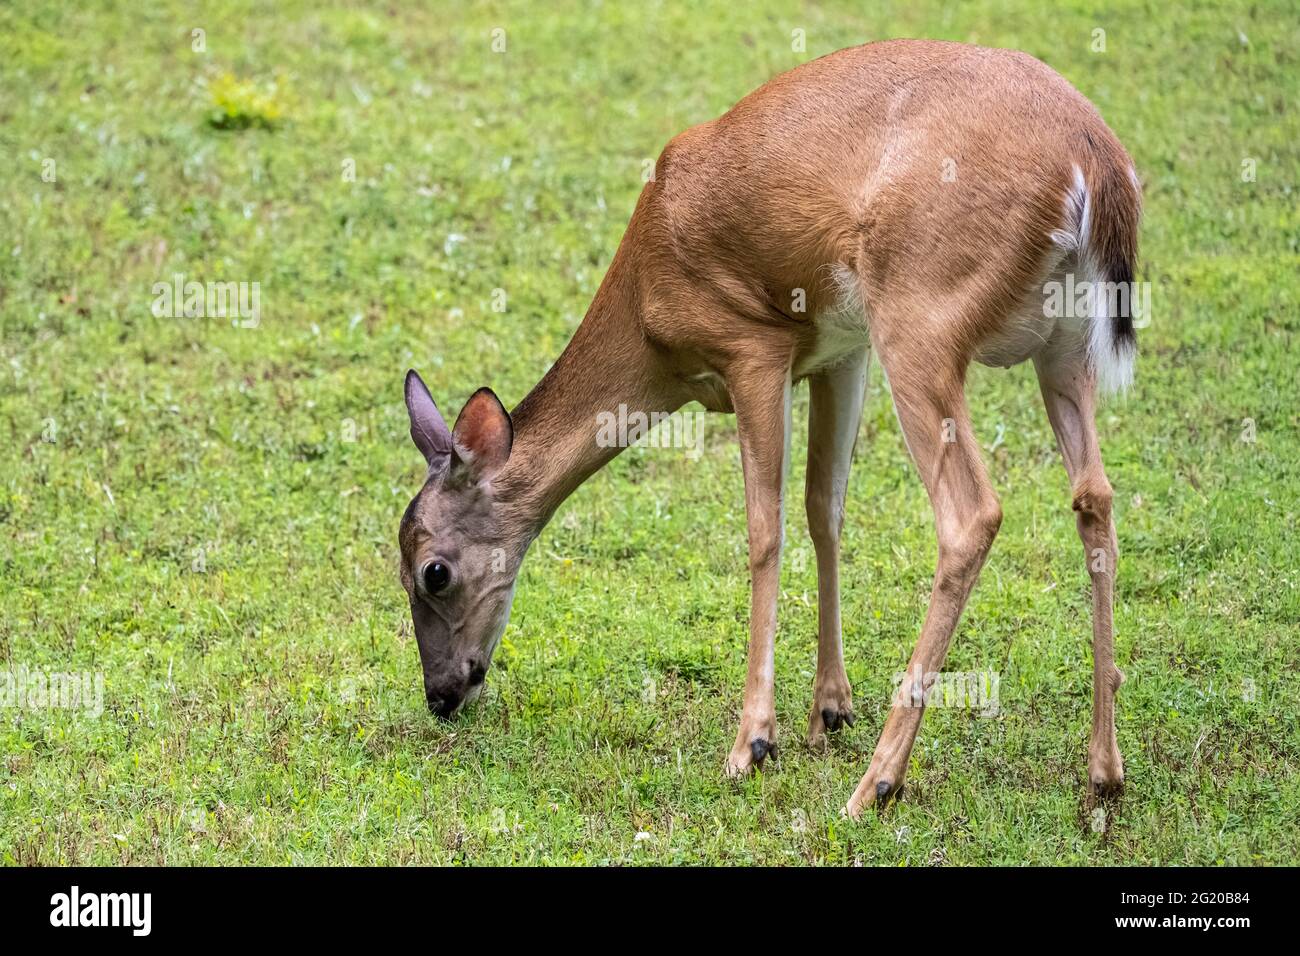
{"points": [[206, 514]]}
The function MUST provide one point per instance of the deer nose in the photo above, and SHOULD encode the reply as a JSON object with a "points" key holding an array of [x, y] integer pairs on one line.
{"points": [[442, 705]]}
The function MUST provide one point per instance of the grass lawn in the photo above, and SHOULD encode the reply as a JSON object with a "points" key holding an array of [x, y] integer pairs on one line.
{"points": [[206, 514]]}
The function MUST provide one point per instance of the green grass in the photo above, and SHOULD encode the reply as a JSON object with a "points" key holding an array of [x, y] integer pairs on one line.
{"points": [[266, 707]]}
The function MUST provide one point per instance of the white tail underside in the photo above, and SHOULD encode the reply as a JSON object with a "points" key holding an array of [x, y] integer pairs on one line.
{"points": [[1111, 360]]}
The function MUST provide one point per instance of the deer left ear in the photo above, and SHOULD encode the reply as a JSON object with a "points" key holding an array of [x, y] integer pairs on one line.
{"points": [[483, 434]]}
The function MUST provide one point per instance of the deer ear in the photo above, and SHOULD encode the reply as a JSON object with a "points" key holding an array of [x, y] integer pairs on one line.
{"points": [[483, 434], [428, 430]]}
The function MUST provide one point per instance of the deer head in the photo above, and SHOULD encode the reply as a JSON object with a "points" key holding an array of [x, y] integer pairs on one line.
{"points": [[460, 552]]}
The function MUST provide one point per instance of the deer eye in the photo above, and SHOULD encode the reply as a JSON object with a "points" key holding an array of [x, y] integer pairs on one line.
{"points": [[436, 576]]}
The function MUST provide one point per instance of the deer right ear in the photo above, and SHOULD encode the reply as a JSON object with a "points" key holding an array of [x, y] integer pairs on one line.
{"points": [[428, 430]]}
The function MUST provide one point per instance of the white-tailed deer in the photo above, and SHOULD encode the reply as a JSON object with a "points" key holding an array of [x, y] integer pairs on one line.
{"points": [[913, 198]]}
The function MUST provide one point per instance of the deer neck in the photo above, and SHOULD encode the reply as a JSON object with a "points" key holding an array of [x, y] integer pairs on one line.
{"points": [[607, 364]]}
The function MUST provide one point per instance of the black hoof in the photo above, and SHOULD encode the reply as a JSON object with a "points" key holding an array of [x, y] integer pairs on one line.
{"points": [[761, 749], [882, 790], [834, 719], [1106, 790]]}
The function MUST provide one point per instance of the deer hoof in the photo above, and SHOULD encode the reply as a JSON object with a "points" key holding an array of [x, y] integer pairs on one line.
{"points": [[1106, 788], [834, 719]]}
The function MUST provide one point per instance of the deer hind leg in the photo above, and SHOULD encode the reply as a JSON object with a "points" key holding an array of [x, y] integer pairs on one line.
{"points": [[835, 410], [931, 408], [1069, 394], [761, 396]]}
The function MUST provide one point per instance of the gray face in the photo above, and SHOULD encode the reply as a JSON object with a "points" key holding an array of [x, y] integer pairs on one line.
{"points": [[459, 576], [458, 562]]}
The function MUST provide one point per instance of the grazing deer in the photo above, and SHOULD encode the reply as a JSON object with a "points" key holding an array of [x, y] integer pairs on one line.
{"points": [[913, 198]]}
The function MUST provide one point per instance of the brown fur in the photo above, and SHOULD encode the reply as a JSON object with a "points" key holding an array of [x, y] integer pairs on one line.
{"points": [[833, 183]]}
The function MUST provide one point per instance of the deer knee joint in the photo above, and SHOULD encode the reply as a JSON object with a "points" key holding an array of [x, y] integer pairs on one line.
{"points": [[962, 551], [1092, 506], [1092, 502], [825, 519], [979, 532], [764, 553]]}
